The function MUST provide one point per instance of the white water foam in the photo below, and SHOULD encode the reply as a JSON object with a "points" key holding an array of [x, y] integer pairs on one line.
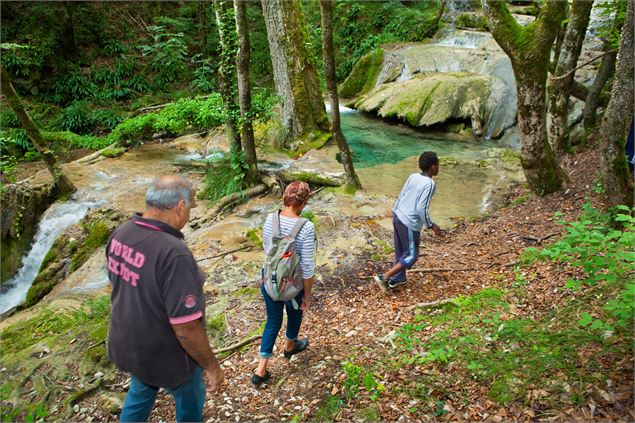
{"points": [[55, 220]]}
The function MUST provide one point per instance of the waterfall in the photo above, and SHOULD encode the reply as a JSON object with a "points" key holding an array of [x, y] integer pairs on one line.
{"points": [[53, 223]]}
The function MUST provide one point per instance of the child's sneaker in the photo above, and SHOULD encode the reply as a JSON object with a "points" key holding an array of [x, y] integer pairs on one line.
{"points": [[394, 284], [381, 282]]}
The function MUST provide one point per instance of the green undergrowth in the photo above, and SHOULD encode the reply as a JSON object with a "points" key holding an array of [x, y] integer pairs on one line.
{"points": [[45, 352], [543, 358]]}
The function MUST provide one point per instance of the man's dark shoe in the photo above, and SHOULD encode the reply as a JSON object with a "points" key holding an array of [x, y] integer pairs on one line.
{"points": [[394, 284], [259, 380], [298, 347]]}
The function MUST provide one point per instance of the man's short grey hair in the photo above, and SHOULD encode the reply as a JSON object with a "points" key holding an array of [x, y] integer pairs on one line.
{"points": [[166, 192]]}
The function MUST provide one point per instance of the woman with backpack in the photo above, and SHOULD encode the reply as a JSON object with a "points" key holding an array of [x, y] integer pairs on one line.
{"points": [[287, 276]]}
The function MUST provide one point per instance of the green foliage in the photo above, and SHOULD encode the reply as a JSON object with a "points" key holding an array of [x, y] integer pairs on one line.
{"points": [[360, 27], [329, 409], [470, 20], [605, 254], [70, 139], [15, 137], [8, 168], [612, 14], [105, 119], [168, 51], [72, 87], [204, 76], [358, 378], [75, 118], [506, 354], [225, 176], [8, 118]]}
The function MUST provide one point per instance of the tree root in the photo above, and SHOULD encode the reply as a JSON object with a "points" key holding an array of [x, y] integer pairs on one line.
{"points": [[78, 395], [432, 303], [238, 344]]}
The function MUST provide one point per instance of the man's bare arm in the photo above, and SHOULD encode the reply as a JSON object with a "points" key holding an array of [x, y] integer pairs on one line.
{"points": [[193, 339]]}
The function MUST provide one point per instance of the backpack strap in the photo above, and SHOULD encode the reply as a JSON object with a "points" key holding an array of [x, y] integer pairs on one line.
{"points": [[297, 227], [275, 224]]}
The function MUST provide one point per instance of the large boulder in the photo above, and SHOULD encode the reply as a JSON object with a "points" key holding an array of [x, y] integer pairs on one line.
{"points": [[467, 67], [431, 98]]}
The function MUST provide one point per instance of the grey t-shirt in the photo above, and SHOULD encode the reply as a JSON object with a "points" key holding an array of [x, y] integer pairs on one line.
{"points": [[155, 283], [413, 203]]}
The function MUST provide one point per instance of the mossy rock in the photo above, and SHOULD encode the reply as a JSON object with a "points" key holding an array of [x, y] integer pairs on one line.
{"points": [[310, 141], [254, 235], [114, 152], [364, 74], [429, 99]]}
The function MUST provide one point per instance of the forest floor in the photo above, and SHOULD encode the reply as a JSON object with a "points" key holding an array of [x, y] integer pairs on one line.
{"points": [[506, 346], [360, 364]]}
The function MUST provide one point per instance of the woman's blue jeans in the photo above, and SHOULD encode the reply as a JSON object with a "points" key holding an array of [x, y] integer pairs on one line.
{"points": [[189, 398], [275, 310]]}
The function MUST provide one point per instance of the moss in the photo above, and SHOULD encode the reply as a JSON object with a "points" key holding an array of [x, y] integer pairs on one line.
{"points": [[97, 236], [314, 178], [216, 325], [364, 74], [472, 20], [429, 99], [248, 292], [510, 156], [114, 152], [254, 235], [310, 141]]}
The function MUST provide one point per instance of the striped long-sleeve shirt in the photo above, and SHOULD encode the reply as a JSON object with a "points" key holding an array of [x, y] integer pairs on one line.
{"points": [[304, 242], [413, 203]]}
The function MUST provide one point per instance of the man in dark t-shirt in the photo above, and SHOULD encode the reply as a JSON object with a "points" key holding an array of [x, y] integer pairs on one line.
{"points": [[157, 307]]}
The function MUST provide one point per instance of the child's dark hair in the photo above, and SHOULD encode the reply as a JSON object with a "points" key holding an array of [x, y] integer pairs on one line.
{"points": [[427, 159]]}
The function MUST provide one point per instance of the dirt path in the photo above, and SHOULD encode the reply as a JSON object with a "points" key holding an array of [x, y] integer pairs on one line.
{"points": [[351, 319]]}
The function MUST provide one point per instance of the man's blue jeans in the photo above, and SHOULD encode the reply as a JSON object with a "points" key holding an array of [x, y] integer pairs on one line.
{"points": [[189, 398], [275, 310]]}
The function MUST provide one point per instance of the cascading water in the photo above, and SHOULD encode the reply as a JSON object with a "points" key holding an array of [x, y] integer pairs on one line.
{"points": [[55, 220]]}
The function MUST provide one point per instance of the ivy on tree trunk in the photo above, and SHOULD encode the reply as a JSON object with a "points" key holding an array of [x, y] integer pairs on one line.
{"points": [[529, 49], [227, 71], [64, 185]]}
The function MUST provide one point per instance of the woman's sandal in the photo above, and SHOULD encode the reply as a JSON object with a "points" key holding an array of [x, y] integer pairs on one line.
{"points": [[259, 380], [298, 347]]}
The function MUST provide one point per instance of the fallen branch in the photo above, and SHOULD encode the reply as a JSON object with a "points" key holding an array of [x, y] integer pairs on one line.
{"points": [[229, 200], [94, 155], [432, 303], [239, 344], [224, 253], [539, 240], [465, 269]]}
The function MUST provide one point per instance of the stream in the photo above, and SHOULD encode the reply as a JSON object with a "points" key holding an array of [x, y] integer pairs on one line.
{"points": [[385, 154]]}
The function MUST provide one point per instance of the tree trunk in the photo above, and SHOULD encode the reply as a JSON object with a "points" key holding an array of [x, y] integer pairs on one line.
{"points": [[69, 42], [529, 49], [225, 23], [62, 182], [560, 85], [244, 90], [618, 184], [593, 100], [326, 9], [294, 73]]}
